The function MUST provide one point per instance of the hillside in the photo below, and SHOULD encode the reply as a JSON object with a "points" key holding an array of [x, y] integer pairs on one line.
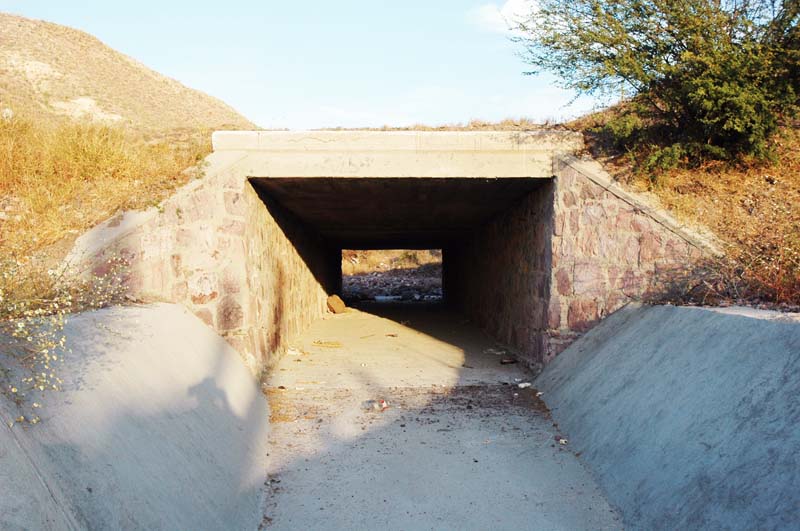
{"points": [[50, 71]]}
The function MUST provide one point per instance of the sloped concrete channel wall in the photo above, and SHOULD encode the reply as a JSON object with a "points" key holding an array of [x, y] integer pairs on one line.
{"points": [[689, 418], [536, 275], [158, 426]]}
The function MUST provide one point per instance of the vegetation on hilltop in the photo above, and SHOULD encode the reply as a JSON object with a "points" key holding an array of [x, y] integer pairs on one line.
{"points": [[56, 181], [86, 131], [355, 262], [752, 206], [707, 79]]}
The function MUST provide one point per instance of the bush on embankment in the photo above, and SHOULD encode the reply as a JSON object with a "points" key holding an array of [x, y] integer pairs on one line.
{"points": [[710, 94]]}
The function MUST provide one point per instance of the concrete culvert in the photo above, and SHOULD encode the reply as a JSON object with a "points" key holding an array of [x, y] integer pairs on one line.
{"points": [[537, 245], [534, 248]]}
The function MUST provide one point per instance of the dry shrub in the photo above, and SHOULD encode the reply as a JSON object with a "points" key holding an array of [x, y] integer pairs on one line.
{"points": [[755, 209], [56, 181], [359, 262], [34, 305]]}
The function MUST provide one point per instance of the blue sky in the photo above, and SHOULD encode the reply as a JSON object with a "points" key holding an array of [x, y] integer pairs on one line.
{"points": [[307, 64]]}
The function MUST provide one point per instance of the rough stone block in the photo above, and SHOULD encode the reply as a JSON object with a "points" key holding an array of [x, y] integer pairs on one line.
{"points": [[233, 279], [205, 315], [633, 284], [203, 287], [175, 262], [554, 313], [180, 291], [336, 304], [232, 226], [641, 224], [589, 191], [229, 314], [650, 247], [235, 204], [588, 278], [574, 221], [564, 281], [582, 314], [559, 223]]}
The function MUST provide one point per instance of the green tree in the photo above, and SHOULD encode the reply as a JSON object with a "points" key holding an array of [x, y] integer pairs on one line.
{"points": [[715, 76]]}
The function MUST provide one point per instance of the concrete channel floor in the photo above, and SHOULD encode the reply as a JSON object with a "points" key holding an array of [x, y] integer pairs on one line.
{"points": [[461, 446]]}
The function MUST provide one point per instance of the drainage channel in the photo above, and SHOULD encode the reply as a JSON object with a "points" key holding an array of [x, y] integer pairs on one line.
{"points": [[403, 416]]}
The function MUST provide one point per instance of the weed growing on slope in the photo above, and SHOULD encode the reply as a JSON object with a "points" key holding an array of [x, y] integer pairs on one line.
{"points": [[57, 181]]}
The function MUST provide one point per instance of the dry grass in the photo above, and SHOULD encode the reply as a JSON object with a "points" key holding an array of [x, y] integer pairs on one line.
{"points": [[59, 180], [753, 207]]}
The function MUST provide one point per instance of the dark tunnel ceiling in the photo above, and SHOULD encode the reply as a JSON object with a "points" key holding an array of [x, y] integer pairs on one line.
{"points": [[386, 213]]}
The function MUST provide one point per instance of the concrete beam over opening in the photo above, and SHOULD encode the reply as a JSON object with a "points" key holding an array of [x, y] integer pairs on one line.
{"points": [[385, 213], [394, 154]]}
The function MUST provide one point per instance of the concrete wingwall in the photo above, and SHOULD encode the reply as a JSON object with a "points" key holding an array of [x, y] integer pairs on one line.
{"points": [[249, 271]]}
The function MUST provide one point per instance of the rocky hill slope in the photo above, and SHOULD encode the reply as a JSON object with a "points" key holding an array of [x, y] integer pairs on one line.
{"points": [[52, 71]]}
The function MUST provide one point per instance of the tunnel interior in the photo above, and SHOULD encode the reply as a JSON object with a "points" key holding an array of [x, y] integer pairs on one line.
{"points": [[493, 234]]}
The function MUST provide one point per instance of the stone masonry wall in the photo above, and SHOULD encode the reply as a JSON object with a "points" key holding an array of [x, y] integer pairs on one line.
{"points": [[501, 277], [608, 248], [290, 272], [215, 247], [543, 273]]}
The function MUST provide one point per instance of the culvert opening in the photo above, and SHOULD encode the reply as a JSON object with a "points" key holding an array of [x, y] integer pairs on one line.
{"points": [[493, 233], [392, 275]]}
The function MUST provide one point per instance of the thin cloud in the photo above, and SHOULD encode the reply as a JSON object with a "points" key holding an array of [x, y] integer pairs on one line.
{"points": [[501, 19]]}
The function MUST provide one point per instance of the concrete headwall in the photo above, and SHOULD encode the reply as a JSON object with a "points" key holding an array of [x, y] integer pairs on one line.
{"points": [[536, 275], [689, 418]]}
